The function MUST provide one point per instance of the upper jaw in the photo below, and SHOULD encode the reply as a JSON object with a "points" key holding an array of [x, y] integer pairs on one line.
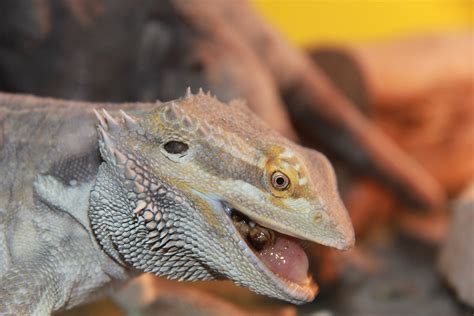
{"points": [[336, 236], [336, 231]]}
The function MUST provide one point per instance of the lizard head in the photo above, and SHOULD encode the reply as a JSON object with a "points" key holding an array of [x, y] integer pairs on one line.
{"points": [[199, 189]]}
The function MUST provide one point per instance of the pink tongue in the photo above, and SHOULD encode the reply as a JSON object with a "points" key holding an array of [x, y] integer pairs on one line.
{"points": [[286, 258]]}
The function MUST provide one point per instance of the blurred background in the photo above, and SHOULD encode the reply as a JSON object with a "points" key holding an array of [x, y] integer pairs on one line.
{"points": [[384, 88]]}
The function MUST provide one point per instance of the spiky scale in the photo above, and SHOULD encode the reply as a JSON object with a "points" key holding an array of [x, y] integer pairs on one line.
{"points": [[119, 157], [188, 93], [131, 123], [100, 119], [112, 124], [139, 207]]}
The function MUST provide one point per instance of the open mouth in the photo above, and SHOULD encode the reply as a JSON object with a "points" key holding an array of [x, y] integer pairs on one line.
{"points": [[282, 255]]}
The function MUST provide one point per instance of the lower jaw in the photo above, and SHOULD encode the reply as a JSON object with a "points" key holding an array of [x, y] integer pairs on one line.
{"points": [[282, 255]]}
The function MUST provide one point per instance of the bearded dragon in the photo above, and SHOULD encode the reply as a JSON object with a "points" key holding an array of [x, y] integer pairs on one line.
{"points": [[191, 189]]}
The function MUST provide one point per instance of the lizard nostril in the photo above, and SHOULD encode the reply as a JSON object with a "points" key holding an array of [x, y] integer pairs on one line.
{"points": [[318, 218]]}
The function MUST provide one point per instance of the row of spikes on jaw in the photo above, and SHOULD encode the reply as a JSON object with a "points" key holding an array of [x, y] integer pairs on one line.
{"points": [[162, 238], [133, 172], [135, 176]]}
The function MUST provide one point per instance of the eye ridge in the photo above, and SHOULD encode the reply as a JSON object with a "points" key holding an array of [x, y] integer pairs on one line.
{"points": [[280, 181], [175, 147]]}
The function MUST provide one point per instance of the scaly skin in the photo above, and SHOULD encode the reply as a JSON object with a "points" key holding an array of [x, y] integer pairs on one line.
{"points": [[157, 204]]}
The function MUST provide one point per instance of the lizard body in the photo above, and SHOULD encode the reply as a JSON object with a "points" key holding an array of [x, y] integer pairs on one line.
{"points": [[191, 189]]}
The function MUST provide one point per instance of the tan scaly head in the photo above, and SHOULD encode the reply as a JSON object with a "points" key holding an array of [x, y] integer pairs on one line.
{"points": [[241, 195]]}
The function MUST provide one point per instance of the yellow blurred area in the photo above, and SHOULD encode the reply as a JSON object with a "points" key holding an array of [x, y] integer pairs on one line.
{"points": [[341, 21]]}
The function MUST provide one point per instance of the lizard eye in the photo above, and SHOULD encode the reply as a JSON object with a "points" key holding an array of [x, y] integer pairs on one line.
{"points": [[175, 147], [280, 181]]}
